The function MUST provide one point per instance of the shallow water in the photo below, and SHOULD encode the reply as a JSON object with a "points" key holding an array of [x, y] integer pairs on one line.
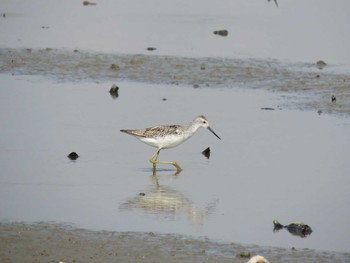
{"points": [[270, 164], [305, 31]]}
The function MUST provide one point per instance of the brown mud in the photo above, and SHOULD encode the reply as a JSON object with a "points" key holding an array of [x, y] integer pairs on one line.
{"points": [[44, 242], [306, 86]]}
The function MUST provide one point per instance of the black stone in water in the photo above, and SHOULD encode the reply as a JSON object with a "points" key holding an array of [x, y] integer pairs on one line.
{"points": [[206, 152], [222, 33], [114, 91], [73, 156], [267, 108]]}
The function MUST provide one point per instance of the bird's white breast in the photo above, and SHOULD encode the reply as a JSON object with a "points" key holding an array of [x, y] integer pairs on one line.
{"points": [[164, 142]]}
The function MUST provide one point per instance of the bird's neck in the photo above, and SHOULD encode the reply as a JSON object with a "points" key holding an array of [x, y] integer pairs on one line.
{"points": [[192, 128]]}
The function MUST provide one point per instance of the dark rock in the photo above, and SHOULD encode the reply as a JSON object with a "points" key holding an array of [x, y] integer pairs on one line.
{"points": [[114, 67], [321, 64], [223, 33], [86, 3], [296, 228], [73, 156], [151, 48], [114, 91], [206, 152], [244, 254], [334, 99]]}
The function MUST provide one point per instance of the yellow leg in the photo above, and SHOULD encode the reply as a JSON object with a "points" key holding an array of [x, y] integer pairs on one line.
{"points": [[154, 158], [154, 161]]}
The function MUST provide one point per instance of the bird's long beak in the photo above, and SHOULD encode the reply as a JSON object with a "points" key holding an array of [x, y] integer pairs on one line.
{"points": [[213, 132]]}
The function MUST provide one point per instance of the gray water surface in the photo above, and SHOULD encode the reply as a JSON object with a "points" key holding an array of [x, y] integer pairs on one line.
{"points": [[270, 164], [287, 163]]}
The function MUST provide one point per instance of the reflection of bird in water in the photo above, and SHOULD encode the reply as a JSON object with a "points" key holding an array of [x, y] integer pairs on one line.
{"points": [[296, 228], [275, 2], [168, 136], [165, 201]]}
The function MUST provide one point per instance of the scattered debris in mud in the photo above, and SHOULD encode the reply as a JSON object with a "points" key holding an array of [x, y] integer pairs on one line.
{"points": [[63, 243], [300, 84]]}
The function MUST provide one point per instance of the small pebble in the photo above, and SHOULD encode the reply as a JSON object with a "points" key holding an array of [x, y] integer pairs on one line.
{"points": [[244, 254], [321, 64], [222, 33], [206, 152], [114, 91], [114, 67], [86, 3], [73, 156]]}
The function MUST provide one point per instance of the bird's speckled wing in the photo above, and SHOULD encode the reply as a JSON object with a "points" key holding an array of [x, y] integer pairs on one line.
{"points": [[156, 131]]}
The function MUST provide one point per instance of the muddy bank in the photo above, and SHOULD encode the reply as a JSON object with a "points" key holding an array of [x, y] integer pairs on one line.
{"points": [[306, 86], [59, 243]]}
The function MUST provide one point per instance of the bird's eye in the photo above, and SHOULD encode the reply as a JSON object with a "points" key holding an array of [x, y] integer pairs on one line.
{"points": [[204, 122]]}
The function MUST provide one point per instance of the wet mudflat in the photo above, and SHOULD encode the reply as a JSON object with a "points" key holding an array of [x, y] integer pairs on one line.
{"points": [[307, 86], [57, 243]]}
